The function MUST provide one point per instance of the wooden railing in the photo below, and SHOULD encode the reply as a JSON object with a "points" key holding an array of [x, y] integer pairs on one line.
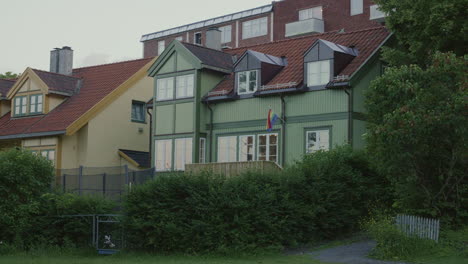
{"points": [[234, 168]]}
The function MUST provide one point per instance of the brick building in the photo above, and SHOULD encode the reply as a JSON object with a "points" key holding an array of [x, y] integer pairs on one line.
{"points": [[277, 21]]}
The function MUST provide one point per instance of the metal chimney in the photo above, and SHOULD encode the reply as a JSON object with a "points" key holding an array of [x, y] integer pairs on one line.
{"points": [[61, 60], [213, 38]]}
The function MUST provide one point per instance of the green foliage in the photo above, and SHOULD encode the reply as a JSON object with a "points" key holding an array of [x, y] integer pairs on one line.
{"points": [[8, 75], [321, 197], [418, 134], [392, 244], [422, 27], [24, 177]]}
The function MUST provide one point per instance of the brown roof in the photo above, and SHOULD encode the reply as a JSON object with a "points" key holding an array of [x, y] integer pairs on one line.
{"points": [[97, 82], [365, 41], [59, 82], [5, 85]]}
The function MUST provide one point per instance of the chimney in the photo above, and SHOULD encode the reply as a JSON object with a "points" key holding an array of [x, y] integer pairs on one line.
{"points": [[213, 38], [61, 60]]}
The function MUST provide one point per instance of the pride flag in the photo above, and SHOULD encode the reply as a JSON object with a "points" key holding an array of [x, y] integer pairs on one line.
{"points": [[271, 120]]}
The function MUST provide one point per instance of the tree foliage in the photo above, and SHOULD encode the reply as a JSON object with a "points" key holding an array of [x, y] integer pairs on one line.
{"points": [[418, 132], [8, 75], [422, 27]]}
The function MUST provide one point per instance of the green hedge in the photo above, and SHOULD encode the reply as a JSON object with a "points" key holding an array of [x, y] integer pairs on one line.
{"points": [[322, 196]]}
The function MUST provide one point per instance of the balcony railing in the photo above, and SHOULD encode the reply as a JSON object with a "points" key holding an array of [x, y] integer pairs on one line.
{"points": [[308, 26], [376, 14]]}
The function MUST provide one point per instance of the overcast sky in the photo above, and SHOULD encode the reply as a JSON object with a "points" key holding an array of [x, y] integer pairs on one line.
{"points": [[99, 31]]}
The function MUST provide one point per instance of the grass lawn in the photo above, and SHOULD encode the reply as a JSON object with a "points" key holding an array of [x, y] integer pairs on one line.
{"points": [[150, 259]]}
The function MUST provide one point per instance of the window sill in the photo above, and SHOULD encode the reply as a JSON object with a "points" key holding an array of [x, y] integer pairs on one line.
{"points": [[138, 121]]}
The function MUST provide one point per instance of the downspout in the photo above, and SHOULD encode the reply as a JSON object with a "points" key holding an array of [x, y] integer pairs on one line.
{"points": [[350, 117], [283, 134], [150, 134], [211, 132]]}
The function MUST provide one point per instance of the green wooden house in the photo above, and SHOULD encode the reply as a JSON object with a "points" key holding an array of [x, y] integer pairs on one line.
{"points": [[211, 105]]}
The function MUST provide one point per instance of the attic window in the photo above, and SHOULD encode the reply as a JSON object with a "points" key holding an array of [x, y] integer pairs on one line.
{"points": [[247, 82], [318, 73]]}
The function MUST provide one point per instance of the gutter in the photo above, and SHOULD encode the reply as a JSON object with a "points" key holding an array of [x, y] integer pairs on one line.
{"points": [[283, 135], [150, 133], [40, 134], [350, 116], [211, 132]]}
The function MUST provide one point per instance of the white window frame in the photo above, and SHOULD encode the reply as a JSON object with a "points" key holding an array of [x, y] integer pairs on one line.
{"points": [[247, 91], [185, 85], [165, 89], [185, 149], [49, 154], [195, 38], [243, 156], [202, 152], [255, 28], [167, 159], [356, 7], [227, 151], [36, 104], [310, 13], [268, 146], [319, 142], [322, 80], [226, 34], [161, 46]]}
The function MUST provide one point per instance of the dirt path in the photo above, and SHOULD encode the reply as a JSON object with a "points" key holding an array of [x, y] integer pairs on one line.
{"points": [[355, 253]]}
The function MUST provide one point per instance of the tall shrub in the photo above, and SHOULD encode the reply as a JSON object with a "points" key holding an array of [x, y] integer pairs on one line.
{"points": [[24, 177]]}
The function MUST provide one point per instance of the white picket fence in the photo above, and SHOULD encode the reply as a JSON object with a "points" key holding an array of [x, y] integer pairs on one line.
{"points": [[419, 226]]}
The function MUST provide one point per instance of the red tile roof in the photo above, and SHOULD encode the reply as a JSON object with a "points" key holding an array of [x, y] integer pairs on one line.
{"points": [[366, 41], [5, 85], [97, 82]]}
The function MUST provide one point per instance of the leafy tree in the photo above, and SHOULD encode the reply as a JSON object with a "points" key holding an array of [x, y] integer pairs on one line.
{"points": [[8, 75], [424, 26], [418, 133]]}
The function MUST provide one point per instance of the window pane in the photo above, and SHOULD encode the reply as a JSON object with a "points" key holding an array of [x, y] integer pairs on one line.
{"points": [[318, 73], [163, 155], [252, 81], [246, 148], [273, 139], [357, 7], [242, 82]]}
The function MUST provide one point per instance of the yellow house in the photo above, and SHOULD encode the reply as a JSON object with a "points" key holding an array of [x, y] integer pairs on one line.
{"points": [[93, 116]]}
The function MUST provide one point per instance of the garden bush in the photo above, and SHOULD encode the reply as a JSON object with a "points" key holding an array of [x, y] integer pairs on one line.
{"points": [[24, 177], [322, 196]]}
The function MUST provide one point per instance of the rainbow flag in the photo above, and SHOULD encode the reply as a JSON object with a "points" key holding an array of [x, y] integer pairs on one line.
{"points": [[271, 120]]}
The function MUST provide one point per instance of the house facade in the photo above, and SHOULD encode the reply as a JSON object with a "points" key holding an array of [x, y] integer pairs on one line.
{"points": [[277, 21], [211, 105], [93, 116]]}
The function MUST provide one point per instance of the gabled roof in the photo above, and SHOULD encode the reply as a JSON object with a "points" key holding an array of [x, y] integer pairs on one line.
{"points": [[211, 57], [98, 82], [339, 48], [5, 85], [139, 159], [266, 58], [59, 83], [366, 41]]}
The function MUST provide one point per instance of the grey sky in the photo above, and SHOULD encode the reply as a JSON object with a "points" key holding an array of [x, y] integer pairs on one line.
{"points": [[99, 31]]}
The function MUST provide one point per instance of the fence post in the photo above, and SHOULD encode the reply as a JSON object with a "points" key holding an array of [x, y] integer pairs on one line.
{"points": [[80, 175], [104, 184]]}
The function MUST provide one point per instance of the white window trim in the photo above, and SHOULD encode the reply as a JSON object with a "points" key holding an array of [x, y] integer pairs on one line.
{"points": [[253, 147], [195, 39], [317, 131], [186, 142], [260, 33], [267, 154], [188, 94], [248, 82], [201, 147], [168, 97], [219, 146], [165, 141], [330, 73], [358, 10]]}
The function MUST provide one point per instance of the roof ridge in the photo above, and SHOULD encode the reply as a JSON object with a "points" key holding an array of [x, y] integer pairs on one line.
{"points": [[112, 63], [309, 36], [54, 73]]}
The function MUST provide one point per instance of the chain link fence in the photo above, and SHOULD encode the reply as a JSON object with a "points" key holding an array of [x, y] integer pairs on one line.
{"points": [[110, 182]]}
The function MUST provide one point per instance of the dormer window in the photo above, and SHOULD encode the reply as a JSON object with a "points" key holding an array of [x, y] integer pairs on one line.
{"points": [[247, 82], [21, 104], [35, 104], [318, 73]]}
